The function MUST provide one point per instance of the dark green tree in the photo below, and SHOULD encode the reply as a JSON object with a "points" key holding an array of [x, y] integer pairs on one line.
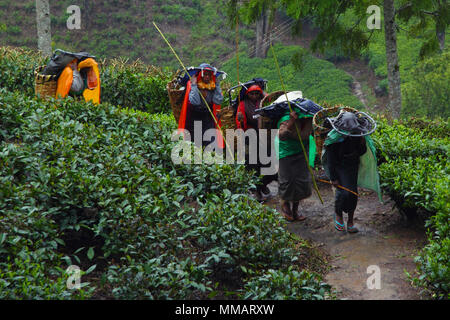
{"points": [[352, 39], [421, 14]]}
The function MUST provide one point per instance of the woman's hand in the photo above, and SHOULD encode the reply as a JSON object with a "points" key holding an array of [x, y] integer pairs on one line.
{"points": [[293, 115], [291, 123]]}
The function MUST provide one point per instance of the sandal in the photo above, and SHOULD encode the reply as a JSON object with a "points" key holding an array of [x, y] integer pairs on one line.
{"points": [[352, 229], [286, 215], [299, 218], [337, 225]]}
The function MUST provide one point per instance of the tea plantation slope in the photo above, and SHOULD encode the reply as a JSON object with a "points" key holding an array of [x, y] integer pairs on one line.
{"points": [[94, 186]]}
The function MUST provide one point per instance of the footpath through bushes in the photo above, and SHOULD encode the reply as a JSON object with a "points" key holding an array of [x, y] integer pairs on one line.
{"points": [[95, 187]]}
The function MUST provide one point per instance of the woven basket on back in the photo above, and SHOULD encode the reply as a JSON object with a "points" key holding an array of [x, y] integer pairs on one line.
{"points": [[320, 126], [176, 97], [45, 85], [227, 118], [265, 122]]}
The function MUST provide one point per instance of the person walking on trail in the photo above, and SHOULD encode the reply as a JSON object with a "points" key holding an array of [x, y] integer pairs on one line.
{"points": [[203, 83], [293, 175], [245, 121], [342, 156]]}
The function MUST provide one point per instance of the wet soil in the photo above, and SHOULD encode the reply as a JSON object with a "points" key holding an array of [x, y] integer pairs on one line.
{"points": [[386, 239]]}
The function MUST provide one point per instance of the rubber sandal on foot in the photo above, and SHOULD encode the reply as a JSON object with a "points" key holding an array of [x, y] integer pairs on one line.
{"points": [[338, 226], [352, 229], [287, 217]]}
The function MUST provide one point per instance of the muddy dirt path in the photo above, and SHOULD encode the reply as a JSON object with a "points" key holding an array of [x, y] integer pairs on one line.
{"points": [[386, 239]]}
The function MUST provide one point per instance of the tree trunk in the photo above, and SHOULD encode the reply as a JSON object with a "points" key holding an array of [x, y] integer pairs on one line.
{"points": [[440, 35], [393, 69], [43, 27], [262, 35]]}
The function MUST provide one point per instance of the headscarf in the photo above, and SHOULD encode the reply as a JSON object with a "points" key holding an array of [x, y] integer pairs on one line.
{"points": [[254, 88]]}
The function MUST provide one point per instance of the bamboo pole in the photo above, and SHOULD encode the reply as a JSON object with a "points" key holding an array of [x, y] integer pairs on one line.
{"points": [[340, 187], [296, 127], [201, 96]]}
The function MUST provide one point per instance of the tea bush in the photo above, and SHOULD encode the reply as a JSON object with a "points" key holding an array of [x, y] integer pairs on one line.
{"points": [[95, 186], [411, 138], [136, 86], [415, 172], [17, 69], [285, 285]]}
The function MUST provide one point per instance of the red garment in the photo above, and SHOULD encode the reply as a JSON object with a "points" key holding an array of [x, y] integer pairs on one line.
{"points": [[187, 106], [241, 109]]}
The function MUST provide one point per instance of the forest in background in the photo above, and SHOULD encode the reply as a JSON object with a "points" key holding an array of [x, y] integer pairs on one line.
{"points": [[200, 32]]}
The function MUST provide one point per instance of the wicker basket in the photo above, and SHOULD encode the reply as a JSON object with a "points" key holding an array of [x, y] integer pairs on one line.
{"points": [[321, 129], [45, 85], [176, 97], [265, 122], [227, 118]]}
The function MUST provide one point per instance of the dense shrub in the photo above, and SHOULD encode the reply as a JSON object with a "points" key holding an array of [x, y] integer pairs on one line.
{"points": [[286, 285], [429, 93], [17, 69], [136, 86], [415, 172], [130, 85], [95, 186], [413, 138]]}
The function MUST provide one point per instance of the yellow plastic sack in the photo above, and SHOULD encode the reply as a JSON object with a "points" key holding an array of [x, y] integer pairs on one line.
{"points": [[92, 92]]}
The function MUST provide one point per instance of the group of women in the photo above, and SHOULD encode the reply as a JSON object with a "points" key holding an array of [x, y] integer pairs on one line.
{"points": [[202, 102]]}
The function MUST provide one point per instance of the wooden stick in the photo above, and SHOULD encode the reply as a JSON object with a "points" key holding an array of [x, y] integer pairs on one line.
{"points": [[296, 127], [340, 187], [201, 96]]}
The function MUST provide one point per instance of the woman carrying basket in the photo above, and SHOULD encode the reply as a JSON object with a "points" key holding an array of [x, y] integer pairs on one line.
{"points": [[204, 82], [245, 121], [293, 174], [344, 147]]}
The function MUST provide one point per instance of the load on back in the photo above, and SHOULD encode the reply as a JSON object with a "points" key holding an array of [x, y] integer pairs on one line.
{"points": [[69, 73]]}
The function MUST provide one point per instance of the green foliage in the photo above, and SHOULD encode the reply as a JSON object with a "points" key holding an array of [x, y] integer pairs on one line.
{"points": [[130, 85], [429, 93], [318, 79], [285, 285], [408, 139], [94, 185], [17, 69], [28, 276], [135, 86], [415, 172], [434, 267]]}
